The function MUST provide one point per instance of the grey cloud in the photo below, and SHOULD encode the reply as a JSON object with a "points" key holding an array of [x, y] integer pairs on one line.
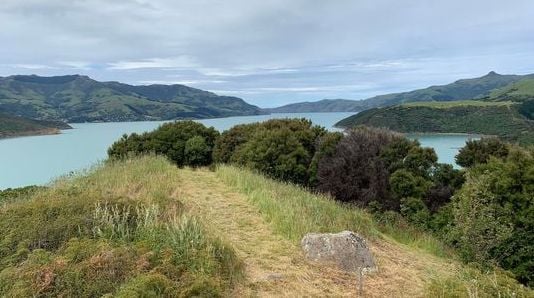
{"points": [[269, 52]]}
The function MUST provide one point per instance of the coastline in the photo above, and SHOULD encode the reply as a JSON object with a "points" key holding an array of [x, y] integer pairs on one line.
{"points": [[33, 133]]}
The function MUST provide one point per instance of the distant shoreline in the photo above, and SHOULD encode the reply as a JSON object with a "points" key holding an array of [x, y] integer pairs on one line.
{"points": [[43, 132]]}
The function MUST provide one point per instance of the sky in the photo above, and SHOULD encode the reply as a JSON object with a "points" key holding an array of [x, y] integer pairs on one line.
{"points": [[270, 52]]}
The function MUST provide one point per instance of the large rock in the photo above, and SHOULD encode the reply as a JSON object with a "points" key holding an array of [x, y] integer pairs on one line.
{"points": [[346, 250]]}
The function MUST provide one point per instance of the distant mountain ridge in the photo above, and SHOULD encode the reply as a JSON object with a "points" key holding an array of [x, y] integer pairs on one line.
{"points": [[484, 87], [76, 98], [325, 105]]}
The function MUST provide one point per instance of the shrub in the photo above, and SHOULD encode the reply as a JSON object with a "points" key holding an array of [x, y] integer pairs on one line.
{"points": [[494, 214], [281, 148], [230, 140], [326, 145], [354, 172], [378, 166], [415, 210], [185, 143], [405, 184], [479, 151]]}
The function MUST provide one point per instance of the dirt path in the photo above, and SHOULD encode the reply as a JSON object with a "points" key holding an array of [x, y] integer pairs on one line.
{"points": [[276, 267]]}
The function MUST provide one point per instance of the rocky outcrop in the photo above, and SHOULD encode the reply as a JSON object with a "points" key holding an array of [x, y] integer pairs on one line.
{"points": [[346, 250]]}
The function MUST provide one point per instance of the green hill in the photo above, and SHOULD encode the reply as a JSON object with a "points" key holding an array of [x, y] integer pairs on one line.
{"points": [[519, 91], [325, 105], [145, 228], [475, 88], [502, 119], [490, 86], [76, 98], [12, 126]]}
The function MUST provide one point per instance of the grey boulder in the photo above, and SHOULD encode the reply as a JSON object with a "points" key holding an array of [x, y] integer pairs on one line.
{"points": [[346, 250]]}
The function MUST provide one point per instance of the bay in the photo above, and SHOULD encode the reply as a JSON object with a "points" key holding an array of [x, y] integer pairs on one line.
{"points": [[37, 160]]}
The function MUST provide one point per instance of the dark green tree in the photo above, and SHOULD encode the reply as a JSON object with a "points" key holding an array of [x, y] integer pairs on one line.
{"points": [[479, 151], [186, 143], [494, 214]]}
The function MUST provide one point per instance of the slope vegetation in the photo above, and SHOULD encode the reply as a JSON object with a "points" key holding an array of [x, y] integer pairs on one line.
{"points": [[12, 126], [501, 119], [77, 98], [492, 86], [464, 89], [325, 105], [143, 228], [519, 91]]}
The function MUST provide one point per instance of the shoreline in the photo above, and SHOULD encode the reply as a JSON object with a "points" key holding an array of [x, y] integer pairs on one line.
{"points": [[44, 132]]}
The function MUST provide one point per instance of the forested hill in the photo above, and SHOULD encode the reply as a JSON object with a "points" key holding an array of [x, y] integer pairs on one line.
{"points": [[325, 105], [76, 98], [12, 126], [492, 86], [509, 120]]}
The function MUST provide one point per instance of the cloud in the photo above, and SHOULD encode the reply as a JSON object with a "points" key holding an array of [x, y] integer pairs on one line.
{"points": [[176, 62], [190, 82], [81, 65], [272, 52], [30, 66]]}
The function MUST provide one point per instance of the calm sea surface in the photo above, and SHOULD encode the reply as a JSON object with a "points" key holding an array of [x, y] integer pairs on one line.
{"points": [[40, 159]]}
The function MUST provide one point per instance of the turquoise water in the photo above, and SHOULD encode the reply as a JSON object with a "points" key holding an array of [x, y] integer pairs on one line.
{"points": [[40, 159]]}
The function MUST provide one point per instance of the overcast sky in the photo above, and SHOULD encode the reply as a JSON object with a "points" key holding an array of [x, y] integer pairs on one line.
{"points": [[270, 52]]}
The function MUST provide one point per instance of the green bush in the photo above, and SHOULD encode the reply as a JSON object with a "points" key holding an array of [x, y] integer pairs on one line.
{"points": [[231, 139], [494, 214], [479, 151], [280, 148], [185, 143], [415, 211], [404, 184]]}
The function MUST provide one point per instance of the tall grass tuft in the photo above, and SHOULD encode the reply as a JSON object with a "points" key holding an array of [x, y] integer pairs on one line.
{"points": [[123, 222]]}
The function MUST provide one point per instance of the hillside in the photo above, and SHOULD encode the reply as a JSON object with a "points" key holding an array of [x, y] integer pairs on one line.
{"points": [[459, 90], [143, 227], [76, 98], [519, 91], [502, 119], [13, 126], [325, 105], [492, 86]]}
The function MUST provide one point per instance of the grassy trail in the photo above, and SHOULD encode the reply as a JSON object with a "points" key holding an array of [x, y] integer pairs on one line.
{"points": [[274, 266]]}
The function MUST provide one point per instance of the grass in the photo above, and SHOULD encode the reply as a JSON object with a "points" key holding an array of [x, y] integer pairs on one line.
{"points": [[143, 228], [116, 231], [518, 91], [294, 211]]}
